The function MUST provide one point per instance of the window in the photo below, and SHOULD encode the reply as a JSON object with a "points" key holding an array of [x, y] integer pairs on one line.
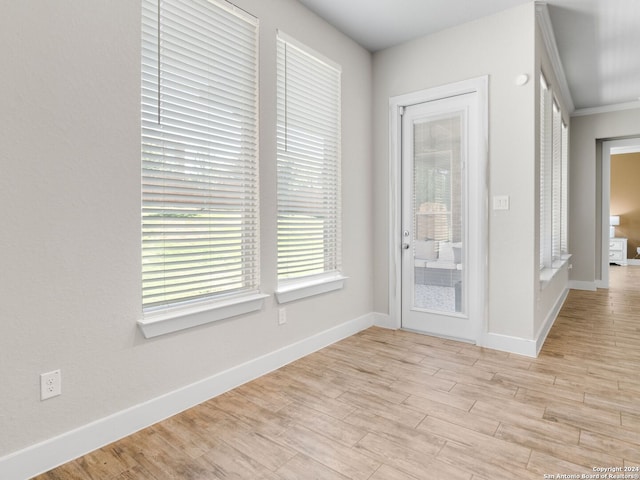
{"points": [[564, 197], [556, 178], [545, 156], [553, 179], [308, 165], [200, 233]]}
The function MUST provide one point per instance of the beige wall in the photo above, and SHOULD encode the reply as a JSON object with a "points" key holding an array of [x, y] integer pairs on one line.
{"points": [[70, 216], [625, 198]]}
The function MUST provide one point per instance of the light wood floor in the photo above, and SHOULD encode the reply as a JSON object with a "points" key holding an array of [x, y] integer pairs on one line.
{"points": [[385, 405]]}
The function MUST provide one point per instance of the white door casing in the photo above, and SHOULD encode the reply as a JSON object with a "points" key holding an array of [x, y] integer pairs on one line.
{"points": [[610, 147], [469, 100]]}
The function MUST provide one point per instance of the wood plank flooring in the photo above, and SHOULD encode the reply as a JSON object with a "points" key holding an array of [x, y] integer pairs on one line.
{"points": [[394, 405]]}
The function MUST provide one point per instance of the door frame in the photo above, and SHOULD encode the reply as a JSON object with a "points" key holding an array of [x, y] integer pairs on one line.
{"points": [[610, 147], [480, 86]]}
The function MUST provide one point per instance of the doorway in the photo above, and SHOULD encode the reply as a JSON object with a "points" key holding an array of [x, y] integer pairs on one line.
{"points": [[609, 148], [440, 248]]}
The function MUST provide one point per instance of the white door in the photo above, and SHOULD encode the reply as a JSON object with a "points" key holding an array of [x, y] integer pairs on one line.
{"points": [[442, 261]]}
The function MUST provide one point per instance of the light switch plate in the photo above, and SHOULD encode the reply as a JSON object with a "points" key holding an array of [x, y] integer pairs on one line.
{"points": [[501, 202]]}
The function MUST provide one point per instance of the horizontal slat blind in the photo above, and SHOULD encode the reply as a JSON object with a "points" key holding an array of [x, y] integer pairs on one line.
{"points": [[199, 151], [308, 162], [564, 240], [556, 195], [545, 133], [554, 184]]}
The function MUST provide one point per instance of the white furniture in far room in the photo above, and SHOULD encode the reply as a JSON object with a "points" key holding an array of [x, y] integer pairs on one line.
{"points": [[618, 251]]}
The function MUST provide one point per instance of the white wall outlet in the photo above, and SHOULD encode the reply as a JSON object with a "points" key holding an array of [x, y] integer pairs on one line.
{"points": [[282, 316], [50, 384]]}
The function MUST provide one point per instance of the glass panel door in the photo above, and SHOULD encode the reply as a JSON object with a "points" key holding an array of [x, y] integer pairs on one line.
{"points": [[439, 269]]}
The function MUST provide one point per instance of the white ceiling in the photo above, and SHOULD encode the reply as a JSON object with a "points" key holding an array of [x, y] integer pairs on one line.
{"points": [[598, 40]]}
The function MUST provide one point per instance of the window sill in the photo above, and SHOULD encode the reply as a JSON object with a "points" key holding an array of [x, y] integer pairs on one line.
{"points": [[180, 318], [299, 289], [548, 274]]}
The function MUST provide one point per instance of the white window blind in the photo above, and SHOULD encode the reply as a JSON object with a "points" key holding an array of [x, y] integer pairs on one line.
{"points": [[308, 162], [564, 241], [545, 207], [554, 182], [199, 151], [556, 187]]}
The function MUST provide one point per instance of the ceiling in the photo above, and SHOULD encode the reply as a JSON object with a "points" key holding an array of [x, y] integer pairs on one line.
{"points": [[598, 40]]}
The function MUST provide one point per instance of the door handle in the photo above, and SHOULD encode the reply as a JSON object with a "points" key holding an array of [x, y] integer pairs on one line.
{"points": [[405, 234]]}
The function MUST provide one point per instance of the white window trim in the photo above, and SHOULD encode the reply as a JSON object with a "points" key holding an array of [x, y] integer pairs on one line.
{"points": [[192, 314], [297, 289], [547, 274], [309, 51]]}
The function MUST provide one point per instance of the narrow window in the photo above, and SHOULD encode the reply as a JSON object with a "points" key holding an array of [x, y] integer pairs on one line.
{"points": [[553, 180], [545, 177], [308, 164], [564, 217], [199, 153], [556, 186]]}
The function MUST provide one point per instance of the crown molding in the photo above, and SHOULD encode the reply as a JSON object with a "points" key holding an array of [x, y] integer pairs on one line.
{"points": [[581, 112], [549, 38]]}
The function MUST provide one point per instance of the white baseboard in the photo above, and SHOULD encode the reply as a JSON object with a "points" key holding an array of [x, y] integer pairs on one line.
{"points": [[633, 261], [51, 453], [580, 285], [544, 329], [525, 346], [384, 320], [507, 343]]}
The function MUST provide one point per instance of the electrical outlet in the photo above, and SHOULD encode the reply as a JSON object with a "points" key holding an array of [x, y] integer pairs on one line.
{"points": [[282, 316], [50, 384]]}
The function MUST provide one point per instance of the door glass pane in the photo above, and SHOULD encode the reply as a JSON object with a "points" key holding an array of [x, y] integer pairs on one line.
{"points": [[438, 215]]}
